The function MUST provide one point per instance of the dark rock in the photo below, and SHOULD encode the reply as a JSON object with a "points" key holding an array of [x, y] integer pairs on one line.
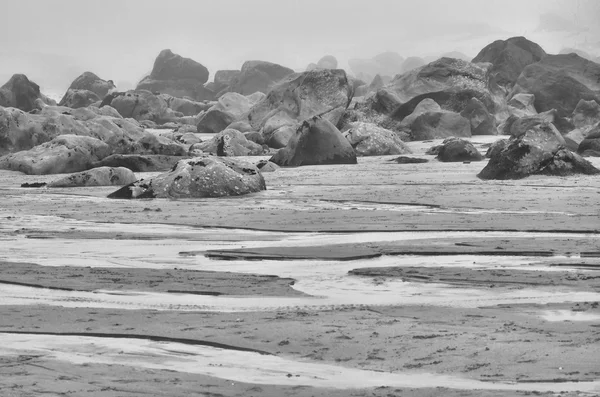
{"points": [[482, 122], [139, 162], [586, 113], [102, 176], [316, 142], [442, 124], [281, 136], [509, 58], [197, 178], [140, 105], [590, 146], [20, 93], [266, 166], [496, 148], [258, 76], [214, 121], [518, 126], [458, 150], [170, 66], [540, 150], [560, 82], [409, 160]]}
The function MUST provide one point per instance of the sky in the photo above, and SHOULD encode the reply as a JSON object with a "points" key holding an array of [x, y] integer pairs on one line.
{"points": [[55, 41]]}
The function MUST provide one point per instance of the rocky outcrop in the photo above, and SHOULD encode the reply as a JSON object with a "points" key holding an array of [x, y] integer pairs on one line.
{"points": [[258, 76], [458, 150], [230, 143], [197, 178], [175, 75], [540, 150], [560, 82], [102, 176], [371, 140], [509, 58], [316, 142], [64, 154], [21, 93], [301, 96]]}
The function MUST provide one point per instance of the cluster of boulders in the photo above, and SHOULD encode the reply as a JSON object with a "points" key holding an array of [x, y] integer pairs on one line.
{"points": [[177, 120]]}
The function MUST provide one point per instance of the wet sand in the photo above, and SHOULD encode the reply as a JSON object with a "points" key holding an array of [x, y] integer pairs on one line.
{"points": [[444, 284]]}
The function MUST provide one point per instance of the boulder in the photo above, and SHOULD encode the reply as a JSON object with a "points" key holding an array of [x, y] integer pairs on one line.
{"points": [[185, 106], [586, 113], [540, 150], [509, 58], [439, 124], [590, 146], [451, 83], [316, 142], [574, 138], [177, 76], [230, 143], [225, 77], [140, 105], [371, 140], [281, 136], [300, 96], [102, 176], [458, 150], [518, 126], [482, 122], [197, 178], [266, 166], [521, 105], [64, 154], [560, 82], [327, 62], [75, 98], [20, 93], [88, 81], [258, 76], [253, 136], [214, 121], [139, 162], [496, 148]]}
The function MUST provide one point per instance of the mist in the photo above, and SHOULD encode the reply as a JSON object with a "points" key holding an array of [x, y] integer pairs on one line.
{"points": [[54, 42]]}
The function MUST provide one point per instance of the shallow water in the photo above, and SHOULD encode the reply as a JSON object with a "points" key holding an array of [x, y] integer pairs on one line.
{"points": [[246, 367]]}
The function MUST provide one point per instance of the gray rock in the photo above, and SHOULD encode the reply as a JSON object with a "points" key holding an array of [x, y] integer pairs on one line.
{"points": [[370, 140], [458, 150], [76, 98], [230, 143], [102, 176], [20, 93], [198, 178], [258, 76], [316, 142]]}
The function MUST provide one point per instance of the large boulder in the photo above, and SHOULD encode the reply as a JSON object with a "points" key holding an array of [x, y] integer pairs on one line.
{"points": [[139, 162], [316, 142], [102, 176], [177, 76], [20, 93], [482, 122], [540, 150], [197, 178], [258, 76], [64, 154], [371, 140], [76, 99], [230, 143], [458, 150], [518, 126], [590, 146], [452, 83], [140, 105], [88, 81], [439, 124], [214, 121], [509, 58], [586, 113], [298, 97], [560, 82]]}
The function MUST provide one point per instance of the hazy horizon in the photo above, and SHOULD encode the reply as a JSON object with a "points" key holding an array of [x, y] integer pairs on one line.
{"points": [[54, 42]]}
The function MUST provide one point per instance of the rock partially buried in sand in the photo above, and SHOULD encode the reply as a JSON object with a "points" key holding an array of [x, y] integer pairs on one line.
{"points": [[540, 150], [371, 140], [456, 150], [316, 142], [197, 178], [102, 176]]}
